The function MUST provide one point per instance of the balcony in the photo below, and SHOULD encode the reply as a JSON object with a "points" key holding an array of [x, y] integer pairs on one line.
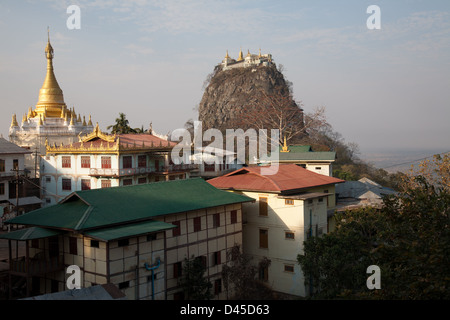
{"points": [[178, 168], [117, 173], [32, 267]]}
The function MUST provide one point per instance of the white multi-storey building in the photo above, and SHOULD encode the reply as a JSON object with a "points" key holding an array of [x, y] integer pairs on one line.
{"points": [[100, 160]]}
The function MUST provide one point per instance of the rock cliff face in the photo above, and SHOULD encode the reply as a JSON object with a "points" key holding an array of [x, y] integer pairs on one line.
{"points": [[230, 91]]}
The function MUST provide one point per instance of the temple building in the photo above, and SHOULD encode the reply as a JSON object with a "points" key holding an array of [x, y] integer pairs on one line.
{"points": [[250, 60], [50, 120], [100, 160]]}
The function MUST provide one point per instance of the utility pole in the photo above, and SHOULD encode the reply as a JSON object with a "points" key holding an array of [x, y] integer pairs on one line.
{"points": [[16, 169]]}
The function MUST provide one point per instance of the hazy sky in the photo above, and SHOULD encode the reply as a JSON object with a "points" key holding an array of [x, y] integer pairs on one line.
{"points": [[382, 89]]}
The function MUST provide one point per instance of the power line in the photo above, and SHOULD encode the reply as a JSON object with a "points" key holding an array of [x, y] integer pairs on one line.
{"points": [[412, 161]]}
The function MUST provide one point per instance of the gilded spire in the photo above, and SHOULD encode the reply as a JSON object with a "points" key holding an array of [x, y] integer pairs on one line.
{"points": [[90, 121], [14, 121], [285, 148], [50, 95], [241, 57], [227, 56]]}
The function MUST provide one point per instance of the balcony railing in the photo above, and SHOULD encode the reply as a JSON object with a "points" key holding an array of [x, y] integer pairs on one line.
{"points": [[106, 172], [37, 266]]}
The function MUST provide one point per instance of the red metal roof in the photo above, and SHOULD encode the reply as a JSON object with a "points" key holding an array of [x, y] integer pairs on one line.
{"points": [[289, 177], [129, 139]]}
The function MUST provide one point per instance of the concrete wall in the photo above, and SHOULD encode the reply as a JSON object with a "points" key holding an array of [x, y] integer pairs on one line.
{"points": [[287, 226]]}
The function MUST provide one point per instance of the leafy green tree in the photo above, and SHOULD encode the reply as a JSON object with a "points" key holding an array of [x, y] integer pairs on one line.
{"points": [[195, 285], [240, 276], [408, 238], [121, 126]]}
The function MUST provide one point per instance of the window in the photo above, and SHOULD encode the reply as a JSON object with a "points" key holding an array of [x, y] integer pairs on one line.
{"points": [[142, 180], [289, 202], [217, 258], [177, 230], [310, 201], [73, 249], [216, 220], [66, 184], [177, 270], [263, 238], [106, 183], [157, 165], [127, 162], [65, 160], [210, 167], [289, 235], [262, 206], [2, 188], [124, 285], [202, 260], [318, 168], [233, 216], [2, 165], [320, 199], [263, 273], [15, 164], [95, 244], [48, 179], [142, 161], [197, 224], [123, 242], [151, 237], [106, 162], [217, 286], [127, 182], [85, 161], [85, 184], [288, 268], [35, 243]]}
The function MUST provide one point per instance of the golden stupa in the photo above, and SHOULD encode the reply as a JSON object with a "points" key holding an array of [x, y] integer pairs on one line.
{"points": [[51, 99]]}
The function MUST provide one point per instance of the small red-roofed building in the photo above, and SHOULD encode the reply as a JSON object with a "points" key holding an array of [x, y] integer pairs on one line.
{"points": [[291, 205], [100, 160]]}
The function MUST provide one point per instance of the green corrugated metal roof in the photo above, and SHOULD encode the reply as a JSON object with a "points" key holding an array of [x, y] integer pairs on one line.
{"points": [[311, 156], [298, 148], [111, 206], [65, 216], [29, 234], [129, 230]]}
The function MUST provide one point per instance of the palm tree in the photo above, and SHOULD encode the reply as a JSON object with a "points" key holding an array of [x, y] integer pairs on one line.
{"points": [[121, 125]]}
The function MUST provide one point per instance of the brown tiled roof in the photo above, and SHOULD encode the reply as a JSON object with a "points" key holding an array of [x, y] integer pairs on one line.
{"points": [[289, 178]]}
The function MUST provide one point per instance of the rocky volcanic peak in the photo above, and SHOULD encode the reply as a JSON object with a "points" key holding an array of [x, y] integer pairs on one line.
{"points": [[230, 91]]}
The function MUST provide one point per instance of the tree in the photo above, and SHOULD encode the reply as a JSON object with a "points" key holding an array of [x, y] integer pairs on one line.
{"points": [[239, 276], [408, 238], [194, 283], [273, 111], [121, 126]]}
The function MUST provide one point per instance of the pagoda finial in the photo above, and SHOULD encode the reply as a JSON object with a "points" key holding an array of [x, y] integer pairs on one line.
{"points": [[285, 147], [90, 121], [14, 121], [241, 57]]}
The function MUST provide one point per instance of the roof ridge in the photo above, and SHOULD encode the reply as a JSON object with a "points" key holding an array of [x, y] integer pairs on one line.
{"points": [[83, 219], [267, 178]]}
